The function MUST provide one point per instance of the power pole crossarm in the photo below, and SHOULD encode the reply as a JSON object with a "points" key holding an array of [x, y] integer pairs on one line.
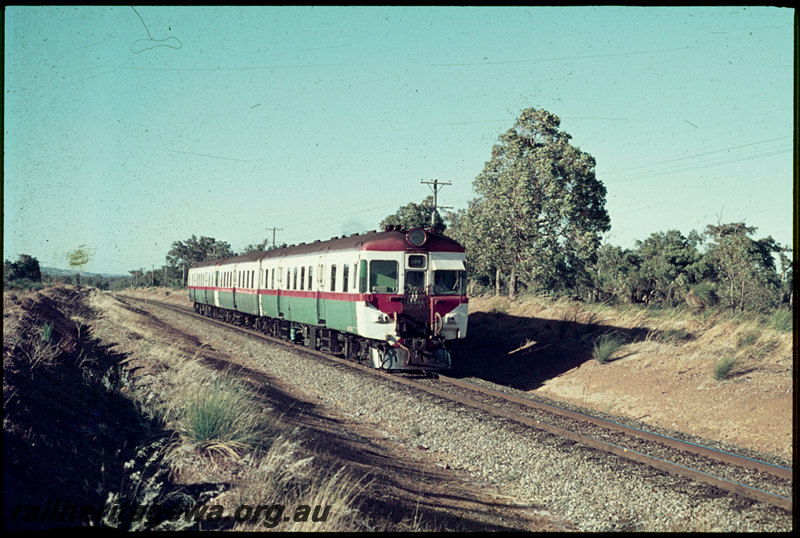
{"points": [[436, 183], [273, 234]]}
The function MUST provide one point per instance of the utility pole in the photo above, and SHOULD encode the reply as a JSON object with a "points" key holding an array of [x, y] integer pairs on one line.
{"points": [[273, 234], [436, 183]]}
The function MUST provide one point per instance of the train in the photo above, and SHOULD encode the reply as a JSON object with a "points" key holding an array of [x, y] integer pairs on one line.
{"points": [[394, 298]]}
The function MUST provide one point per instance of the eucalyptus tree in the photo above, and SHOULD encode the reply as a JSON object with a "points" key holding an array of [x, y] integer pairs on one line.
{"points": [[541, 203], [472, 229], [745, 267]]}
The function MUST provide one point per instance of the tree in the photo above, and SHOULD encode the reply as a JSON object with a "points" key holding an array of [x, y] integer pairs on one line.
{"points": [[258, 247], [414, 215], [184, 254], [543, 204], [617, 276], [25, 268], [670, 264], [787, 276], [744, 266], [472, 229], [77, 259]]}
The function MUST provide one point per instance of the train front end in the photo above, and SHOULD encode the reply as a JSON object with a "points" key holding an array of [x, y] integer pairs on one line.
{"points": [[414, 286]]}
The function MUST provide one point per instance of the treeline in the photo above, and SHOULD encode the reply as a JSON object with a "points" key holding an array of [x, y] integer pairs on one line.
{"points": [[26, 273], [722, 266], [537, 222], [184, 254], [536, 225]]}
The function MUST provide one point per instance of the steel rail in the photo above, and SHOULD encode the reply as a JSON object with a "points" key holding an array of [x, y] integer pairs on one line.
{"points": [[712, 453], [743, 490]]}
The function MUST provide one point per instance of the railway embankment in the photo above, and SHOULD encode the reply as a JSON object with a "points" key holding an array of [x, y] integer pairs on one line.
{"points": [[664, 371]]}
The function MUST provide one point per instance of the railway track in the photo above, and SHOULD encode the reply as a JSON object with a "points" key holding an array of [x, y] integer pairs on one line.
{"points": [[743, 476]]}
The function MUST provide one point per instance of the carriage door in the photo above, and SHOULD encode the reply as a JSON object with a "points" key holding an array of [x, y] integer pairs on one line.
{"points": [[321, 293], [235, 285], [216, 288]]}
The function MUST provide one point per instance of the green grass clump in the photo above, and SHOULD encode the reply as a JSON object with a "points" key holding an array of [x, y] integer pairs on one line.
{"points": [[723, 367], [220, 416], [604, 346], [47, 332]]}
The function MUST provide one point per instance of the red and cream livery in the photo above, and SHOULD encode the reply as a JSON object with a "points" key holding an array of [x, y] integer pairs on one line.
{"points": [[394, 298]]}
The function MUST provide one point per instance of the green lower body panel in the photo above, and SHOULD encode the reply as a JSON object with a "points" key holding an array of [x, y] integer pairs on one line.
{"points": [[247, 303], [226, 300], [340, 315]]}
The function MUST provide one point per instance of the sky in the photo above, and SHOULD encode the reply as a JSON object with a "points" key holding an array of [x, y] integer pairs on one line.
{"points": [[129, 128]]}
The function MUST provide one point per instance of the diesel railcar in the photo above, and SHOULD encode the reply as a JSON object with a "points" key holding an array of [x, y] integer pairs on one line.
{"points": [[395, 298]]}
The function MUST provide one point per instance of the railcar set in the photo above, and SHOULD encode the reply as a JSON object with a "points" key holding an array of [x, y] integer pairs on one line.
{"points": [[395, 298]]}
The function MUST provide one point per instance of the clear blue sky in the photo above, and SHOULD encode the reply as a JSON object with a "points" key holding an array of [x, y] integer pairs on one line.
{"points": [[126, 130]]}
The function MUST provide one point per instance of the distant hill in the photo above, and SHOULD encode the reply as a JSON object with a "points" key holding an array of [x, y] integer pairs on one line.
{"points": [[55, 271]]}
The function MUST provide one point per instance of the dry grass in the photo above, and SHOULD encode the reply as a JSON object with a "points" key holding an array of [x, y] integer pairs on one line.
{"points": [[221, 424], [755, 341]]}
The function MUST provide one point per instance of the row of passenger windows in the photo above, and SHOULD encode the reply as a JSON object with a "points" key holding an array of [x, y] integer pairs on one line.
{"points": [[297, 278], [383, 278]]}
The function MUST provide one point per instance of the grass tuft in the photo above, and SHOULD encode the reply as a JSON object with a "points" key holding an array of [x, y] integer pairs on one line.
{"points": [[605, 346], [781, 320], [219, 416], [724, 367], [747, 339], [669, 336], [47, 332]]}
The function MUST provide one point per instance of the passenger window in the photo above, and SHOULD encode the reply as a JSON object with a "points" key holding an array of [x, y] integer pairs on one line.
{"points": [[302, 277], [333, 278], [449, 283], [345, 276], [310, 278], [415, 280], [383, 276]]}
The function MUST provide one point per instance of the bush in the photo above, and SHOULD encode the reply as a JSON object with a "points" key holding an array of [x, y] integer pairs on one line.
{"points": [[702, 296]]}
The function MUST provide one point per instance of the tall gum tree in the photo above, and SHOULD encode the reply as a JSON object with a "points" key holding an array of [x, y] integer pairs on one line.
{"points": [[540, 197]]}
